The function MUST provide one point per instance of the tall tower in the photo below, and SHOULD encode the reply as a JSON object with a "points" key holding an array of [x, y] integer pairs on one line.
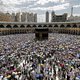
{"points": [[47, 16], [13, 17], [23, 17], [72, 11], [52, 16], [35, 17], [18, 17]]}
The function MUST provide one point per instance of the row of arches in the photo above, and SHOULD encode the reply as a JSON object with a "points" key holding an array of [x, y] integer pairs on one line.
{"points": [[16, 31], [22, 26], [23, 31], [69, 31]]}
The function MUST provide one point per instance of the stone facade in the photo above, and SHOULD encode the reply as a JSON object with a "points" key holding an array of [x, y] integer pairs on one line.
{"points": [[13, 17], [58, 18], [6, 17], [18, 17], [23, 17], [74, 18]]}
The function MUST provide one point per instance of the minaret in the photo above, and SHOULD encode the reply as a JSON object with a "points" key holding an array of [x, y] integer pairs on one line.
{"points": [[52, 16], [47, 16], [72, 11]]}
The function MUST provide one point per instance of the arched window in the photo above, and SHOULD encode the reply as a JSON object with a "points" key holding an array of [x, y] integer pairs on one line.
{"points": [[68, 25], [34, 26], [62, 25], [50, 25], [45, 26], [8, 26], [28, 26], [1, 26], [74, 26], [39, 26], [22, 26], [15, 26], [55, 25]]}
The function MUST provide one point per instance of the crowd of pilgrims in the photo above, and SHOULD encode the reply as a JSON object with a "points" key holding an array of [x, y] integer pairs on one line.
{"points": [[22, 57]]}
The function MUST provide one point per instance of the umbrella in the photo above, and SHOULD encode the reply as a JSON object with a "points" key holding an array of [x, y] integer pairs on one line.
{"points": [[41, 75], [79, 76], [37, 75]]}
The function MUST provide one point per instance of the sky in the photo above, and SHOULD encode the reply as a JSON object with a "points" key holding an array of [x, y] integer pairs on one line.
{"points": [[40, 6]]}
